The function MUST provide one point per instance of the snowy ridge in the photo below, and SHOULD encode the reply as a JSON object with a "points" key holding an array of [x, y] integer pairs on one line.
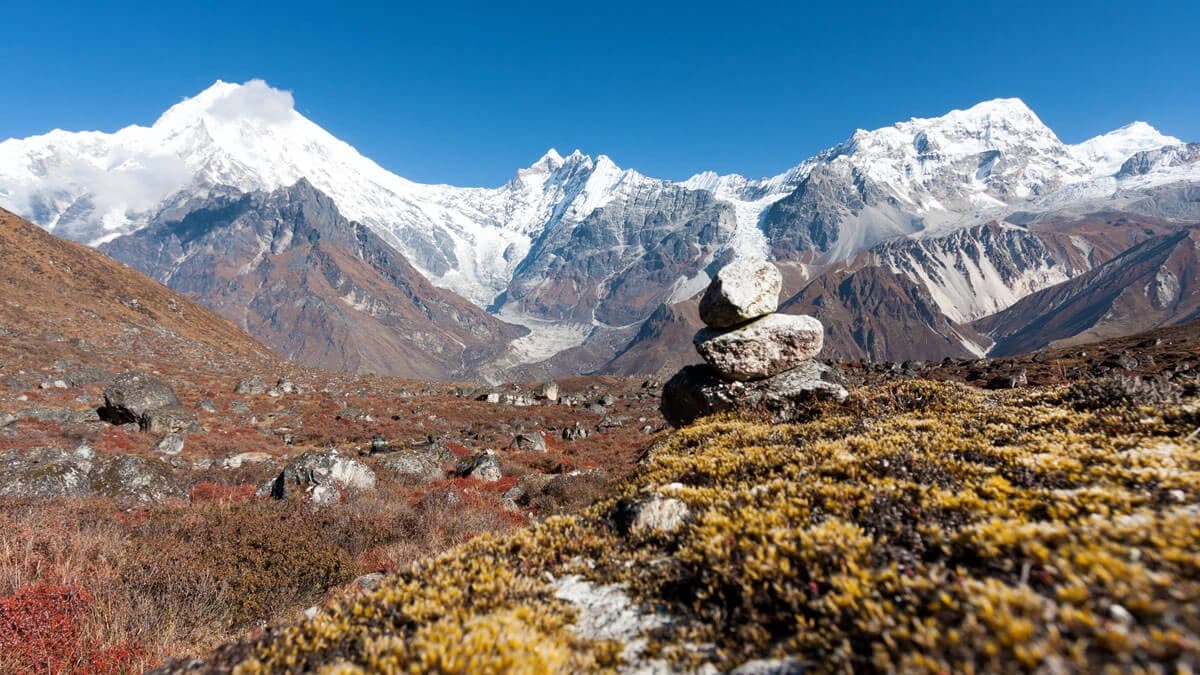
{"points": [[914, 193], [94, 186]]}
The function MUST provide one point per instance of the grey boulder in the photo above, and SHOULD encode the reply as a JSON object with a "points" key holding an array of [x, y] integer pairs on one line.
{"points": [[43, 473], [762, 348], [483, 466], [533, 441], [132, 395], [698, 391], [137, 479], [412, 467], [742, 290], [321, 476]]}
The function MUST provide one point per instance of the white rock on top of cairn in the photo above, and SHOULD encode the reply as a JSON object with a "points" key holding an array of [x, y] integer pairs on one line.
{"points": [[762, 348], [742, 290]]}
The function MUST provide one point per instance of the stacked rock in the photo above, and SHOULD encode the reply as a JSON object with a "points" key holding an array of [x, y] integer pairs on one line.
{"points": [[756, 359]]}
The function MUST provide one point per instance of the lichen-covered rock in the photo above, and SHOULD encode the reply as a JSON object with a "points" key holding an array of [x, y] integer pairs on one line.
{"points": [[132, 395], [171, 444], [321, 476], [742, 290], [698, 391], [762, 348], [137, 479], [243, 458], [254, 385], [170, 419], [549, 392], [483, 466], [412, 467], [43, 472], [534, 442]]}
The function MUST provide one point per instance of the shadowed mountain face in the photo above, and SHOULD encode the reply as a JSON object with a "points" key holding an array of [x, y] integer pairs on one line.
{"points": [[319, 289], [1155, 283], [874, 314]]}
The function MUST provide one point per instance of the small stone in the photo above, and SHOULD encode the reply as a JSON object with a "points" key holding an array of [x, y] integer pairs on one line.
{"points": [[534, 442], [658, 514], [482, 465], [240, 459], [742, 290], [171, 444], [549, 392], [251, 386], [763, 348]]}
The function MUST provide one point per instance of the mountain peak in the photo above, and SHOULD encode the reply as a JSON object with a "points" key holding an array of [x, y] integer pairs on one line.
{"points": [[254, 100], [1107, 152]]}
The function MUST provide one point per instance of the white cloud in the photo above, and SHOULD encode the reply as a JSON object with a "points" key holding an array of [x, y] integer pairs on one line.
{"points": [[254, 100]]}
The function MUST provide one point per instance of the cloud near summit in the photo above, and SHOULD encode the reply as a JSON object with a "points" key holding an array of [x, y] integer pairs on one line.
{"points": [[255, 99]]}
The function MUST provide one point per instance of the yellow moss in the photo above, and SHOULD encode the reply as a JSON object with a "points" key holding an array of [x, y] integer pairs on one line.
{"points": [[922, 527]]}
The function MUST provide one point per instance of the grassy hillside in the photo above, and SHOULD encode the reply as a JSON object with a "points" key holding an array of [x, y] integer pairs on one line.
{"points": [[923, 526]]}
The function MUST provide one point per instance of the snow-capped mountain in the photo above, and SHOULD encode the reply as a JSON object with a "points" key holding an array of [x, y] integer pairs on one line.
{"points": [[583, 251], [93, 186]]}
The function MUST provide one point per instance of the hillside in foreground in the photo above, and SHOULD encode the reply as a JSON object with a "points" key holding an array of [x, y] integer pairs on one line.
{"points": [[138, 430], [921, 526]]}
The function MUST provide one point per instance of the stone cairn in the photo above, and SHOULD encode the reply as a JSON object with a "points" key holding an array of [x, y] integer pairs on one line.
{"points": [[755, 360]]}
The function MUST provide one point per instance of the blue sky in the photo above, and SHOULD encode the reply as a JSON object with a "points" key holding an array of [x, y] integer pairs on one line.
{"points": [[466, 93]]}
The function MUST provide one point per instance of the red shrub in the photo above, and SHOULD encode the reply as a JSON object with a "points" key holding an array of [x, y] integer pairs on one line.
{"points": [[215, 492], [41, 631], [116, 440]]}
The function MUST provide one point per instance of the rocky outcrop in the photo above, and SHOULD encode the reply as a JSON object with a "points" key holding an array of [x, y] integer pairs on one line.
{"points": [[765, 366], [322, 477], [314, 286], [45, 473], [140, 480], [133, 396], [483, 466]]}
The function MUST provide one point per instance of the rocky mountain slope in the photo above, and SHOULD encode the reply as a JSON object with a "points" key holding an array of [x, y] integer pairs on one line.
{"points": [[1154, 283], [583, 252], [60, 295], [168, 484], [318, 289]]}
